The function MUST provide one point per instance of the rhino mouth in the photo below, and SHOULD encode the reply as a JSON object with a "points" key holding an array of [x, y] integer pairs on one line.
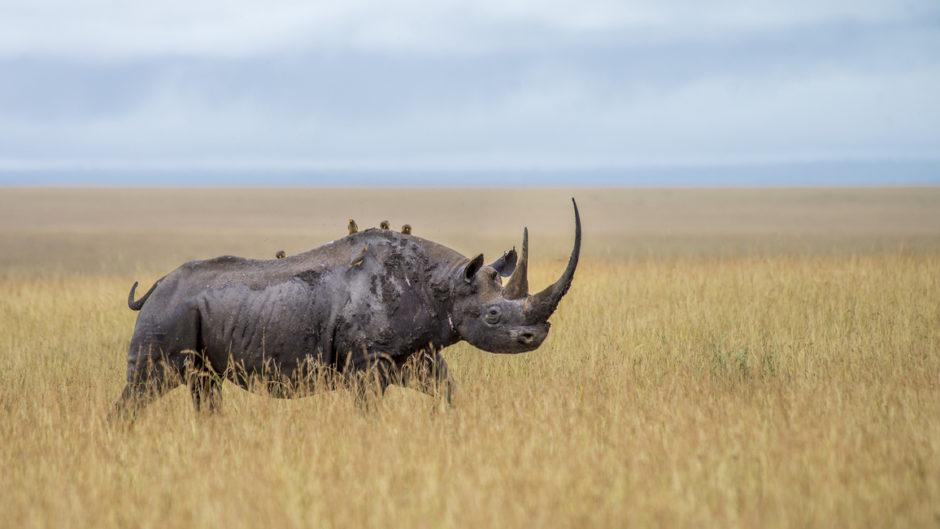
{"points": [[529, 337]]}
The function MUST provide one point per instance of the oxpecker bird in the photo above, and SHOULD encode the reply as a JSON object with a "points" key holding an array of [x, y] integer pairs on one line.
{"points": [[280, 254], [384, 224], [359, 257], [406, 229], [352, 227]]}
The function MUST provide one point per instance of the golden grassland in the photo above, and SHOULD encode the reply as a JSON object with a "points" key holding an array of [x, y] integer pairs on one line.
{"points": [[762, 358]]}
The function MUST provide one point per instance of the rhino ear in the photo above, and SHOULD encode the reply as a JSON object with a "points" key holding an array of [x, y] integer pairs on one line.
{"points": [[472, 268], [506, 264]]}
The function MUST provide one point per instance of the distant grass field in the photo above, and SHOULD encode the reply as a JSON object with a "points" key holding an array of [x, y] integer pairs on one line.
{"points": [[725, 357]]}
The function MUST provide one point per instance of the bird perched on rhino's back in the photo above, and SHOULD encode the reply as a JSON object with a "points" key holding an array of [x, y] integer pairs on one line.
{"points": [[352, 227], [280, 254], [406, 229], [376, 302], [384, 225]]}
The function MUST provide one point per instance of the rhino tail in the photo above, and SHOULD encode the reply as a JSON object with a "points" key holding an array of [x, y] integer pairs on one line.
{"points": [[137, 305]]}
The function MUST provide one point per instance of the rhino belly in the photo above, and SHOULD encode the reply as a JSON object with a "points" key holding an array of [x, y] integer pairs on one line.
{"points": [[252, 332]]}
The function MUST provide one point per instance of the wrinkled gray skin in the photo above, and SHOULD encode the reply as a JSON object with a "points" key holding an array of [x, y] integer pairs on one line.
{"points": [[377, 302]]}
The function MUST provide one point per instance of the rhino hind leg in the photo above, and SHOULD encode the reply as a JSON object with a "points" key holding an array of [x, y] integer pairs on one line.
{"points": [[206, 389], [205, 384], [148, 385], [160, 359]]}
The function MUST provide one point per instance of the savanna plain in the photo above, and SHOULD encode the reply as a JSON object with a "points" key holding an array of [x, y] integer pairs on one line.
{"points": [[725, 358]]}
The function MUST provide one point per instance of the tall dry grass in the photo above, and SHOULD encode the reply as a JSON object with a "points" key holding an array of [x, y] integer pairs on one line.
{"points": [[776, 390]]}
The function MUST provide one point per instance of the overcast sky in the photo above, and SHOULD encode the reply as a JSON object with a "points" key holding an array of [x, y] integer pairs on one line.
{"points": [[439, 85]]}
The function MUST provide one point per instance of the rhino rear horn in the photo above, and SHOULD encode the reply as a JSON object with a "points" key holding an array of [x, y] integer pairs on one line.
{"points": [[518, 285], [542, 305]]}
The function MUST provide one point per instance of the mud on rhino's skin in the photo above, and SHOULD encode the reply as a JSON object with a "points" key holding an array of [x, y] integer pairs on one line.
{"points": [[375, 301]]}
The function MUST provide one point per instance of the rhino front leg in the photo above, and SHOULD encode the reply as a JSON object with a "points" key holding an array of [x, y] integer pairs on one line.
{"points": [[370, 382], [429, 374]]}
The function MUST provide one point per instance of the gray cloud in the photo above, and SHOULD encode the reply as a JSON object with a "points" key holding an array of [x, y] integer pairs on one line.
{"points": [[103, 29], [466, 85]]}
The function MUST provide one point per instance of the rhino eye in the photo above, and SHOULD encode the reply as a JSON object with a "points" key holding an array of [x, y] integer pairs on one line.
{"points": [[492, 315]]}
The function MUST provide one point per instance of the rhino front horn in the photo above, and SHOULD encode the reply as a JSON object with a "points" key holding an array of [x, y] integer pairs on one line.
{"points": [[540, 306]]}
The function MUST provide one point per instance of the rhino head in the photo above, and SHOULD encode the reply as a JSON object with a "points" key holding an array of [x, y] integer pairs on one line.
{"points": [[507, 319]]}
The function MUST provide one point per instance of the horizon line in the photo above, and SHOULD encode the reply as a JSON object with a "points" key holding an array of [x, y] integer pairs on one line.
{"points": [[837, 173]]}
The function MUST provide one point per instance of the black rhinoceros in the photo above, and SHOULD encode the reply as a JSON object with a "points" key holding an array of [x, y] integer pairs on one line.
{"points": [[376, 301]]}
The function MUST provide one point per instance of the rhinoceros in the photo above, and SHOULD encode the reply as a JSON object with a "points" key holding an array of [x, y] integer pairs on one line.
{"points": [[376, 301]]}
